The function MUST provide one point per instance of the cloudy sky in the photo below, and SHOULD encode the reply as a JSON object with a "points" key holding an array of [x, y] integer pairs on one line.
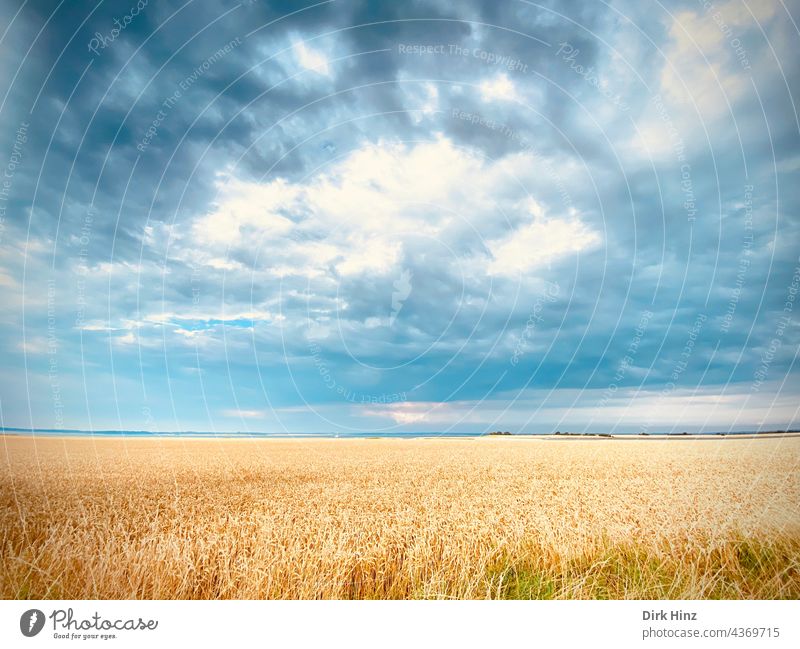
{"points": [[381, 216]]}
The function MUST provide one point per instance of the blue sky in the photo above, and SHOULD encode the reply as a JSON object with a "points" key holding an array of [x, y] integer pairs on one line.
{"points": [[399, 216]]}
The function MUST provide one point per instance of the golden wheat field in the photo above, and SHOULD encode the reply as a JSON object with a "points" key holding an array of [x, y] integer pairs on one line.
{"points": [[377, 518]]}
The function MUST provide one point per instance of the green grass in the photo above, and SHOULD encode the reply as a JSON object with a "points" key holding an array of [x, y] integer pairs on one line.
{"points": [[731, 569]]}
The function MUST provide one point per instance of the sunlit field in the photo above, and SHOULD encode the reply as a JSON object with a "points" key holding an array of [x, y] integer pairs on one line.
{"points": [[377, 518]]}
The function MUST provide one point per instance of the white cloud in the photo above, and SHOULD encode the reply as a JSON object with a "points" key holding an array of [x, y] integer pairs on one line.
{"points": [[710, 408], [500, 87], [244, 414], [411, 412], [358, 216], [127, 339], [311, 59], [698, 64], [706, 72], [538, 243], [248, 207], [37, 345], [217, 316], [320, 255]]}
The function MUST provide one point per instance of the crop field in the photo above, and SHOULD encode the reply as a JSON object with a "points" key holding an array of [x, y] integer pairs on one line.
{"points": [[377, 518]]}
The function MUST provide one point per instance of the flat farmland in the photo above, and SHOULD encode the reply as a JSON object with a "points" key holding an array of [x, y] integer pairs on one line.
{"points": [[385, 518]]}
